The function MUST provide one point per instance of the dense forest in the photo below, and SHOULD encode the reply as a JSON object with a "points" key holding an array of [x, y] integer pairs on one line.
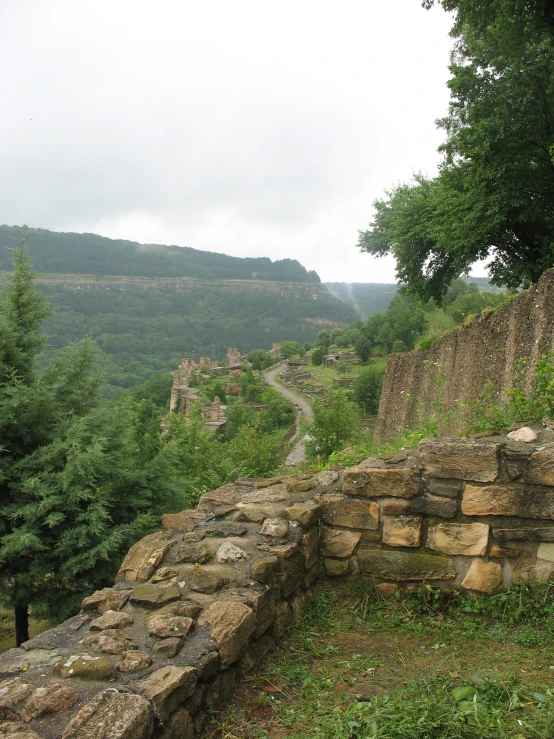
{"points": [[96, 255], [143, 319], [139, 332]]}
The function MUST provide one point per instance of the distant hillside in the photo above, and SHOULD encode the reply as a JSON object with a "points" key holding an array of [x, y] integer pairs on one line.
{"points": [[367, 298], [96, 255], [147, 308]]}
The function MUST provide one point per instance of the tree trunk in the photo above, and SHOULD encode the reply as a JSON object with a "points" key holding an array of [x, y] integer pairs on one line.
{"points": [[21, 624]]}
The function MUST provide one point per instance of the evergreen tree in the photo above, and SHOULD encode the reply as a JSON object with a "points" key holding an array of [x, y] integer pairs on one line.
{"points": [[78, 484]]}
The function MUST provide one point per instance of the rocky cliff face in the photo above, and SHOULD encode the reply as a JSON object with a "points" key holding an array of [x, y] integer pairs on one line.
{"points": [[487, 350]]}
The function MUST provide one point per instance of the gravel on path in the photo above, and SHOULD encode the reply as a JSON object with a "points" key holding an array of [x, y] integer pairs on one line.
{"points": [[298, 453]]}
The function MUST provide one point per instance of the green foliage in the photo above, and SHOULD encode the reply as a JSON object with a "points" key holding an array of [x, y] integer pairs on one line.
{"points": [[324, 339], [78, 484], [492, 197], [291, 349], [366, 390], [317, 355], [335, 423], [257, 358], [254, 453], [488, 412]]}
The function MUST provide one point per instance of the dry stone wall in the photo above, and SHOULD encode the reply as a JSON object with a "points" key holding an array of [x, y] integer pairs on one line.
{"points": [[487, 350], [199, 604]]}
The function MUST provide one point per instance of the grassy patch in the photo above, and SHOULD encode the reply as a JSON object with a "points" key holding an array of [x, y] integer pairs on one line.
{"points": [[418, 667]]}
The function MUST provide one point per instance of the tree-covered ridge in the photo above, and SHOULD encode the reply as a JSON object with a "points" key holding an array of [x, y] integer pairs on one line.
{"points": [[90, 254], [143, 331]]}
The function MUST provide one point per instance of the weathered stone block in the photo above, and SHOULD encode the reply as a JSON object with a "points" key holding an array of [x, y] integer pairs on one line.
{"points": [[337, 543], [179, 726], [394, 506], [541, 467], [387, 589], [228, 552], [310, 547], [503, 552], [283, 618], [340, 510], [258, 513], [220, 691], [154, 596], [167, 687], [465, 459], [293, 571], [508, 500], [204, 581], [107, 599], [379, 483], [445, 488], [529, 533], [85, 667], [226, 495], [546, 551], [263, 604], [112, 715], [485, 577], [305, 514], [394, 565], [223, 529], [143, 558], [541, 571], [300, 486], [264, 568], [336, 567], [459, 538], [432, 505], [168, 648], [200, 552], [404, 531], [256, 652], [53, 698], [13, 698], [185, 521], [165, 625], [277, 528], [230, 624], [134, 661], [311, 575], [111, 620], [109, 641]]}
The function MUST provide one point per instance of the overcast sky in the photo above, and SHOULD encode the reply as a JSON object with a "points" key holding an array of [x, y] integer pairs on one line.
{"points": [[244, 127]]}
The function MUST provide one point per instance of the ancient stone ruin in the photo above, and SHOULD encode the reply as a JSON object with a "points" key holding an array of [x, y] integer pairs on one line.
{"points": [[199, 604]]}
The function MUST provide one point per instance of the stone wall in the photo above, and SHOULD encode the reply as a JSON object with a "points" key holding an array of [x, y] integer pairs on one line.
{"points": [[487, 350], [197, 605]]}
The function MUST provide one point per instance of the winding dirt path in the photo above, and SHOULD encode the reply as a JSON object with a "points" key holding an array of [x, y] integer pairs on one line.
{"points": [[298, 453]]}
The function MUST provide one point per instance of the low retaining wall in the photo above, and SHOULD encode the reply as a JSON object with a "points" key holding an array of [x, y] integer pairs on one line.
{"points": [[198, 604]]}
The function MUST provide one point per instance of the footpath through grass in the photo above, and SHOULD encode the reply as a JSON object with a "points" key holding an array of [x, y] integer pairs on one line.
{"points": [[423, 665]]}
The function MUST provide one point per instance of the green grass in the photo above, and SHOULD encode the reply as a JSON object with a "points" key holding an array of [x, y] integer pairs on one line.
{"points": [[420, 666]]}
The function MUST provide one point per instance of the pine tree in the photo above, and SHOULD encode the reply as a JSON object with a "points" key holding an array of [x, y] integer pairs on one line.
{"points": [[78, 483]]}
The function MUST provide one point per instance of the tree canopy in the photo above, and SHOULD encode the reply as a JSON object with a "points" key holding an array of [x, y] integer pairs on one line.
{"points": [[494, 195]]}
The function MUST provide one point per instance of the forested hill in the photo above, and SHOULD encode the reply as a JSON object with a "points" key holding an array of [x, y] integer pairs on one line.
{"points": [[90, 254], [146, 308]]}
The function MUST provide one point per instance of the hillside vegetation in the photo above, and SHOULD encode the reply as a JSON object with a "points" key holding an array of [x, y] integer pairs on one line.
{"points": [[147, 307], [91, 254]]}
